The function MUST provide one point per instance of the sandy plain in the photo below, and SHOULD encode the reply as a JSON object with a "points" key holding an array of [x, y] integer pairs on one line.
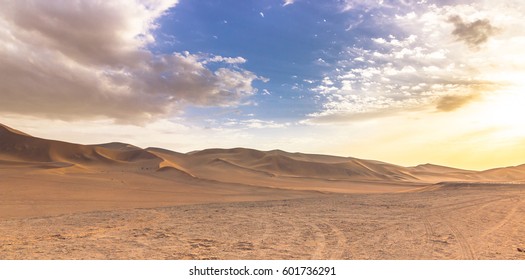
{"points": [[114, 201], [447, 222]]}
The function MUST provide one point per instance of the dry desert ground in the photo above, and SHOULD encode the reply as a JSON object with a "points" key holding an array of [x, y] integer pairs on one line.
{"points": [[61, 200]]}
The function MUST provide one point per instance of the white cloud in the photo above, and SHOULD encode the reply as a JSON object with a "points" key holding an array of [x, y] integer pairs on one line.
{"points": [[89, 59], [288, 2], [253, 123], [229, 60], [325, 90], [365, 5], [428, 67], [395, 42], [379, 40], [327, 81], [322, 62], [408, 16]]}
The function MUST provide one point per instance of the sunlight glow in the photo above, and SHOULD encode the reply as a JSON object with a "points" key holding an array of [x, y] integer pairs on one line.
{"points": [[506, 110]]}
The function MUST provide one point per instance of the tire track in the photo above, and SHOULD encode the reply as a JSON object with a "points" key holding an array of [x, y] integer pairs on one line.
{"points": [[335, 241], [444, 210], [508, 217], [429, 233], [320, 243], [466, 250], [278, 237], [468, 204]]}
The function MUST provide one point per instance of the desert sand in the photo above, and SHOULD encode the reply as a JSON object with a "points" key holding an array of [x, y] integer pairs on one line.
{"points": [[62, 200]]}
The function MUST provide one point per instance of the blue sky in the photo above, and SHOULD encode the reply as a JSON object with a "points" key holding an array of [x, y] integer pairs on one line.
{"points": [[293, 46], [282, 44], [404, 81]]}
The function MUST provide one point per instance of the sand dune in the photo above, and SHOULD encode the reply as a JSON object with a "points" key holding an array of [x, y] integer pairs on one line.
{"points": [[274, 169], [513, 173], [48, 177], [356, 203], [18, 148]]}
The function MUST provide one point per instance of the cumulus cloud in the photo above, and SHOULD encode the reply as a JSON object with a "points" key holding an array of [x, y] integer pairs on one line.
{"points": [[450, 103], [474, 33], [90, 59]]}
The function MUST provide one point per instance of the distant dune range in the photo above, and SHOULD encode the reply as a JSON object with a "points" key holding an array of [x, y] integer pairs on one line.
{"points": [[61, 200], [41, 176]]}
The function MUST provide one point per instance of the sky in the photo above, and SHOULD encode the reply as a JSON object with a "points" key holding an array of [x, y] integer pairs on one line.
{"points": [[402, 81]]}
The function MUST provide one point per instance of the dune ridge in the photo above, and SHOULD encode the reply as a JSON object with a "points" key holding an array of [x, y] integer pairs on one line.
{"points": [[109, 175], [18, 148]]}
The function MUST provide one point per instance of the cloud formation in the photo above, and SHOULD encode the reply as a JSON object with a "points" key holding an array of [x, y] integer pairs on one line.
{"points": [[288, 2], [474, 33], [450, 103], [254, 123], [417, 60], [90, 59]]}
